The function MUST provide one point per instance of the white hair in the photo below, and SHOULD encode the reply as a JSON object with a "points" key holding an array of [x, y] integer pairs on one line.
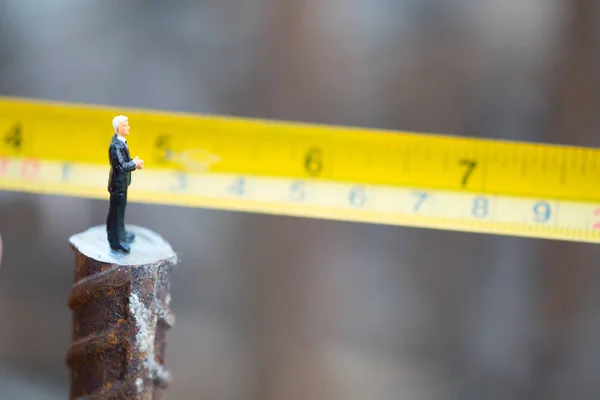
{"points": [[117, 121]]}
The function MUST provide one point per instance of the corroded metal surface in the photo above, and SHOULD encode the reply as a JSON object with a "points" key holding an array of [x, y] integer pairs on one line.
{"points": [[120, 306]]}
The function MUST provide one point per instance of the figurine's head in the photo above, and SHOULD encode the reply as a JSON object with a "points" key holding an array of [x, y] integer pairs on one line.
{"points": [[121, 125]]}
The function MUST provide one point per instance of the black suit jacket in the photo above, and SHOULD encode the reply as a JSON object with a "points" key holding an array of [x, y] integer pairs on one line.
{"points": [[121, 166]]}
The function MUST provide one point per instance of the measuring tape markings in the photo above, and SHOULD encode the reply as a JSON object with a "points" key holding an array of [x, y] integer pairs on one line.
{"points": [[329, 172], [480, 213], [299, 151]]}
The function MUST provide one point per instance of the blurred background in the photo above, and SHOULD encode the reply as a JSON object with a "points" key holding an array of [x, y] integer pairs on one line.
{"points": [[281, 308]]}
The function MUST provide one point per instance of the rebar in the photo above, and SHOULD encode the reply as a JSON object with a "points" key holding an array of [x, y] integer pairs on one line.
{"points": [[120, 306]]}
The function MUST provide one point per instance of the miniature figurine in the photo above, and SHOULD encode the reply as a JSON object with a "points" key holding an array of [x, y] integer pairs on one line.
{"points": [[121, 166]]}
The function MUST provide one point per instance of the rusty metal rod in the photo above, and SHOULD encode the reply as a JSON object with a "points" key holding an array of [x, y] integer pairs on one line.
{"points": [[120, 306]]}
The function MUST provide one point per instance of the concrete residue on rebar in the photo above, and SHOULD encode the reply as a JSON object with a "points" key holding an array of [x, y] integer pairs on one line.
{"points": [[139, 384], [145, 321]]}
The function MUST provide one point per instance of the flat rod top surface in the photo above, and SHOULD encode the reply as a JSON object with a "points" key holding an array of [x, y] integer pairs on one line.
{"points": [[147, 248]]}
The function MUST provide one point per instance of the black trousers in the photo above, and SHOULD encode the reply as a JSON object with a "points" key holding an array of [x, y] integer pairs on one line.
{"points": [[115, 221]]}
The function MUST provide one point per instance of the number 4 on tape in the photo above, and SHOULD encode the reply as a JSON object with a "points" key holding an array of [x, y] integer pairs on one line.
{"points": [[238, 187], [14, 137]]}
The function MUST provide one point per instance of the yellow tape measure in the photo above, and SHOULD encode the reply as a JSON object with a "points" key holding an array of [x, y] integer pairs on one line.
{"points": [[398, 178]]}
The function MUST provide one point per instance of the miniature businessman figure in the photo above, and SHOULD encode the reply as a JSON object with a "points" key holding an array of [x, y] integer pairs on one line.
{"points": [[121, 166]]}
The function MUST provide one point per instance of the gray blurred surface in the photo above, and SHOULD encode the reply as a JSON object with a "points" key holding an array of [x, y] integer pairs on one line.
{"points": [[283, 308]]}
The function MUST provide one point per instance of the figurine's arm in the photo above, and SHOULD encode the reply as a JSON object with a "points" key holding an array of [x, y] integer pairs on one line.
{"points": [[118, 161]]}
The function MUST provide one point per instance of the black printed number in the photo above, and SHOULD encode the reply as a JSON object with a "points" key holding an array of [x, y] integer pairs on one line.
{"points": [[313, 162], [14, 137], [469, 167], [163, 148]]}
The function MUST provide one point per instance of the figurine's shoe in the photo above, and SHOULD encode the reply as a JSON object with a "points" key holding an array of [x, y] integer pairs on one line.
{"points": [[123, 247], [129, 236]]}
